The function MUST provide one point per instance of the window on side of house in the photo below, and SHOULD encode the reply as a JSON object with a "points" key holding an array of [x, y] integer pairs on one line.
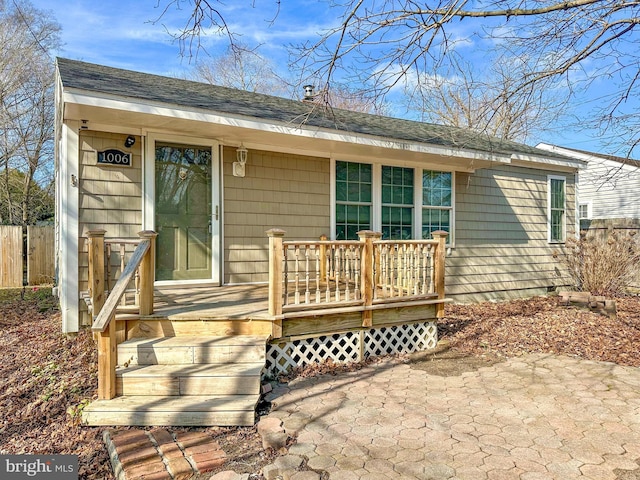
{"points": [[397, 203], [557, 209], [437, 206], [584, 210], [353, 199]]}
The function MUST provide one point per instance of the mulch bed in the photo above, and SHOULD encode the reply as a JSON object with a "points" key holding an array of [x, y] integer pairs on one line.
{"points": [[46, 378]]}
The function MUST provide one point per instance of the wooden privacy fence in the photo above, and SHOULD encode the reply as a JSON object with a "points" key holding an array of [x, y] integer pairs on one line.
{"points": [[26, 257]]}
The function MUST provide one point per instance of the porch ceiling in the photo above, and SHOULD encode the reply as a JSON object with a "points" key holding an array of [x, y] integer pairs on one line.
{"points": [[130, 118]]}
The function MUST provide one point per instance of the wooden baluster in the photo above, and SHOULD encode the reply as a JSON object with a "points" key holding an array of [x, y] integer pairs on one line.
{"points": [[123, 252], [402, 269], [423, 268], [328, 257], [307, 292], [415, 259], [432, 270], [296, 254], [318, 272], [285, 275], [409, 271], [338, 268], [347, 273], [136, 282], [384, 262], [356, 279], [392, 265], [108, 267]]}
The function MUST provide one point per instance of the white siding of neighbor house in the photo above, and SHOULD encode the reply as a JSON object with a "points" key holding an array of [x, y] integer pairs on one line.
{"points": [[278, 191], [611, 188], [501, 247], [110, 197]]}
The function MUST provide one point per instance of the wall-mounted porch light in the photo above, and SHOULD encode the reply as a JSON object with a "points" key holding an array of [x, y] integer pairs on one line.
{"points": [[241, 157]]}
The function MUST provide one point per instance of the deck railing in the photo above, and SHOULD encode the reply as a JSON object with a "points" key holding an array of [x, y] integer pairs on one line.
{"points": [[320, 275], [139, 269]]}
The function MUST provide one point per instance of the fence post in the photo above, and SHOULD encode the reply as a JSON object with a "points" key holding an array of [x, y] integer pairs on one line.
{"points": [[440, 254], [147, 273], [366, 275], [96, 270]]}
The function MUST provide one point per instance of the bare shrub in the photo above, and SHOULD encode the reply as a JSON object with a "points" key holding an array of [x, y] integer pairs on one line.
{"points": [[602, 266]]}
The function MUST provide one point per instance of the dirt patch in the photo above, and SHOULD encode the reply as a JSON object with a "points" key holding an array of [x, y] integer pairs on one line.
{"points": [[445, 361]]}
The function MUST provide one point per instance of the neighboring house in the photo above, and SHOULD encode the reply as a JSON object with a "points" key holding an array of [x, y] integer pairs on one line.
{"points": [[608, 186], [212, 169]]}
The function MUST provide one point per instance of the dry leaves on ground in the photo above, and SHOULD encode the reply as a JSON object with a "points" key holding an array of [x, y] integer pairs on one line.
{"points": [[545, 325]]}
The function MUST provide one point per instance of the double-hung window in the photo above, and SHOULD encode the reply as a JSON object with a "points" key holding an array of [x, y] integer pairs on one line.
{"points": [[397, 203], [401, 202], [556, 214], [353, 199], [437, 202]]}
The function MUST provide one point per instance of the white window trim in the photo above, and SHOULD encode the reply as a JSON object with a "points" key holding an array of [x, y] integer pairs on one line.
{"points": [[148, 195], [589, 206], [376, 200], [452, 208], [564, 232]]}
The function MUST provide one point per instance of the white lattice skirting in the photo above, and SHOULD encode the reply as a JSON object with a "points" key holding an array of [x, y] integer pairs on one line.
{"points": [[351, 346]]}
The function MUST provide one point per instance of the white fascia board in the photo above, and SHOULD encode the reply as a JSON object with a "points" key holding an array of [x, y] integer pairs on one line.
{"points": [[551, 163], [579, 156], [206, 116]]}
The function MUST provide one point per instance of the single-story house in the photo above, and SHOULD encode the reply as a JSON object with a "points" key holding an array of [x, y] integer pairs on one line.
{"points": [[237, 220]]}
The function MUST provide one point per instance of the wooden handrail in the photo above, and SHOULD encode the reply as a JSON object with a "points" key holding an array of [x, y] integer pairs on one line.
{"points": [[104, 325], [108, 310]]}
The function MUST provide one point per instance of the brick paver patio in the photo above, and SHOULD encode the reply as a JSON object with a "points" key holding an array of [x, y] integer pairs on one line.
{"points": [[532, 418]]}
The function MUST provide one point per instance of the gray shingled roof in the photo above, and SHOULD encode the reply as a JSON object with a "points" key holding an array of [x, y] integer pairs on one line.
{"points": [[184, 93]]}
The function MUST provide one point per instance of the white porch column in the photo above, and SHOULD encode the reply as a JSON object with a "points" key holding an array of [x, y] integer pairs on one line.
{"points": [[68, 185]]}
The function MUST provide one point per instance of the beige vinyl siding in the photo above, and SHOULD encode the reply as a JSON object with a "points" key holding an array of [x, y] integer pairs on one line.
{"points": [[501, 247], [110, 197], [285, 191]]}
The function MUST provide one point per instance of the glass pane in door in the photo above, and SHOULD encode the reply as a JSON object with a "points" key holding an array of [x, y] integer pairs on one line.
{"points": [[183, 212]]}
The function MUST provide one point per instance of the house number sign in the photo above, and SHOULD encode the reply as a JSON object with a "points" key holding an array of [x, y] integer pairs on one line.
{"points": [[114, 157]]}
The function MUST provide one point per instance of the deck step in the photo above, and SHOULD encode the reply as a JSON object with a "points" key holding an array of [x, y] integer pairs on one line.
{"points": [[193, 379], [220, 410], [180, 350], [184, 381]]}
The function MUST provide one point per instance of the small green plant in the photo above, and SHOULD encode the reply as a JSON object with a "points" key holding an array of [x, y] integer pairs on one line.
{"points": [[602, 266], [75, 411]]}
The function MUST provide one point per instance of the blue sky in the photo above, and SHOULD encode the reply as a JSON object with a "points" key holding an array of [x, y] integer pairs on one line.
{"points": [[123, 34]]}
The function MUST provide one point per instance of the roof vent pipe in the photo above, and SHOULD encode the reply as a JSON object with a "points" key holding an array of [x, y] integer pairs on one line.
{"points": [[308, 92]]}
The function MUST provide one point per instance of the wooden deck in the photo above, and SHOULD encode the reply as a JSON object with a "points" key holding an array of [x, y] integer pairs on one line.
{"points": [[236, 302], [365, 295]]}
